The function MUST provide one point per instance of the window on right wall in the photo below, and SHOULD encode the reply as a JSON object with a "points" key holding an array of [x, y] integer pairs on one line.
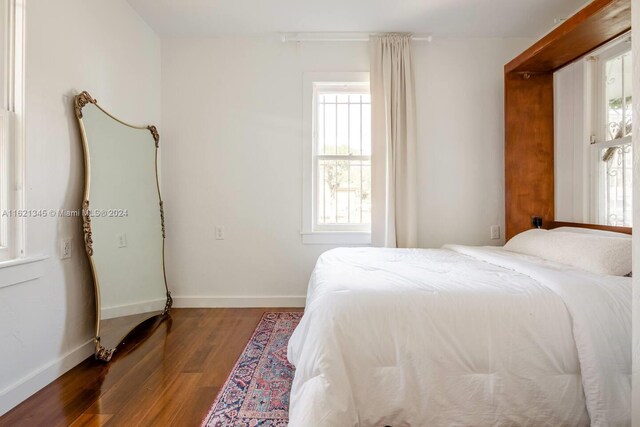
{"points": [[12, 222], [5, 118], [592, 124], [611, 140]]}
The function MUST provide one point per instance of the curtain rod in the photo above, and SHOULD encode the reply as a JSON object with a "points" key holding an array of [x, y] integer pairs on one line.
{"points": [[340, 37]]}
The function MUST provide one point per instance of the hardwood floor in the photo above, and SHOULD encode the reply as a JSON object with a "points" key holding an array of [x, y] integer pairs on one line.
{"points": [[168, 379]]}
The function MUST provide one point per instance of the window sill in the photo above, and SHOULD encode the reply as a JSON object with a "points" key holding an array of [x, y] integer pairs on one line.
{"points": [[336, 238], [20, 270]]}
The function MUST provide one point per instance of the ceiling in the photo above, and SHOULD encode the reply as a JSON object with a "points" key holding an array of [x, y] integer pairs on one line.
{"points": [[441, 18]]}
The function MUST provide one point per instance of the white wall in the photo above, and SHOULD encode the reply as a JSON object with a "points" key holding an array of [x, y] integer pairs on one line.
{"points": [[232, 115], [233, 147], [460, 107], [636, 217], [72, 45]]}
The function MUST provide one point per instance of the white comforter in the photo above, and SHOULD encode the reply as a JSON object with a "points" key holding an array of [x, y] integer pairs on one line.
{"points": [[460, 336]]}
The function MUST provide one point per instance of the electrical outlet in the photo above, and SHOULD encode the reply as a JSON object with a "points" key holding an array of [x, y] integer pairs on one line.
{"points": [[219, 233], [65, 248], [122, 240], [495, 232]]}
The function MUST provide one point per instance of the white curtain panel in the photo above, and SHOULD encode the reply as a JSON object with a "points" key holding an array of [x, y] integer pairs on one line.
{"points": [[393, 115]]}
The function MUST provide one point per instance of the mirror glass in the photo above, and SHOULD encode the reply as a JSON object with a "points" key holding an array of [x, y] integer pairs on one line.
{"points": [[123, 225], [593, 151]]}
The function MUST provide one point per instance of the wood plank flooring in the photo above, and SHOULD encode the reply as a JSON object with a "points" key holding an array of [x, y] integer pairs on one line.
{"points": [[167, 374]]}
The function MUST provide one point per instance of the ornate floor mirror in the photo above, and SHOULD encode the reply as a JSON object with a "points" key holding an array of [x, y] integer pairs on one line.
{"points": [[123, 223]]}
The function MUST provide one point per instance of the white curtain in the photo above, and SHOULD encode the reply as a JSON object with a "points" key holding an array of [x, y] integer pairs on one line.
{"points": [[394, 209]]}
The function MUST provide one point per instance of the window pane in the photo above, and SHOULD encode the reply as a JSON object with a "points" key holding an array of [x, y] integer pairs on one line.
{"points": [[614, 98], [343, 170], [344, 192], [321, 193], [627, 65], [342, 131], [355, 123], [617, 173], [330, 128], [343, 128], [319, 127], [360, 192], [329, 175], [329, 98]]}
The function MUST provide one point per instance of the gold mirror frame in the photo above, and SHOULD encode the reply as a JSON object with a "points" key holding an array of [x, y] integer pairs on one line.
{"points": [[80, 101]]}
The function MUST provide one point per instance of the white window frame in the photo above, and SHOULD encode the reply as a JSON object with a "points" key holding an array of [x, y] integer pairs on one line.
{"points": [[12, 144], [312, 234], [598, 121]]}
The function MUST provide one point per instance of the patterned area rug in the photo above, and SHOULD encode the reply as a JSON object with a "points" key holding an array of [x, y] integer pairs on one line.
{"points": [[256, 394]]}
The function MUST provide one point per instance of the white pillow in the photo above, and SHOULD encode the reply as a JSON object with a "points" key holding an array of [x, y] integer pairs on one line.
{"points": [[590, 252], [582, 230]]}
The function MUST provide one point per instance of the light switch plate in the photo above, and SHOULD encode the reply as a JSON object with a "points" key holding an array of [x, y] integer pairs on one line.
{"points": [[122, 240], [65, 247], [495, 232], [219, 233]]}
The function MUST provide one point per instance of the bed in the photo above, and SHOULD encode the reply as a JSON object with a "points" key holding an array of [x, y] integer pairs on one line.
{"points": [[461, 335]]}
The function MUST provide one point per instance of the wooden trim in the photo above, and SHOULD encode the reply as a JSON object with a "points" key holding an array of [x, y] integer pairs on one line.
{"points": [[529, 121], [556, 224], [528, 151], [597, 23]]}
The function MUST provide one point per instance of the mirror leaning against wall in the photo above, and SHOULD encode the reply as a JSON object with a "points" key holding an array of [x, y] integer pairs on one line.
{"points": [[593, 150], [123, 223]]}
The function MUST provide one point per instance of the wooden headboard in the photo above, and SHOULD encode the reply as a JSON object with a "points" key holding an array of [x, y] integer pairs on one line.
{"points": [[556, 224], [529, 132]]}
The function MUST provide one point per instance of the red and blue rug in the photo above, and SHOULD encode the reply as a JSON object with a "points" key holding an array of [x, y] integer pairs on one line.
{"points": [[256, 394]]}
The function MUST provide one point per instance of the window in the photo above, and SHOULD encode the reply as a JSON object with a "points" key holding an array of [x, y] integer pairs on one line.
{"points": [[593, 150], [337, 159], [342, 159], [11, 119], [613, 135]]}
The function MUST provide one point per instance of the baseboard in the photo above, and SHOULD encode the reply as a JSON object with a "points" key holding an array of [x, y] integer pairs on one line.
{"points": [[238, 302], [19, 391]]}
